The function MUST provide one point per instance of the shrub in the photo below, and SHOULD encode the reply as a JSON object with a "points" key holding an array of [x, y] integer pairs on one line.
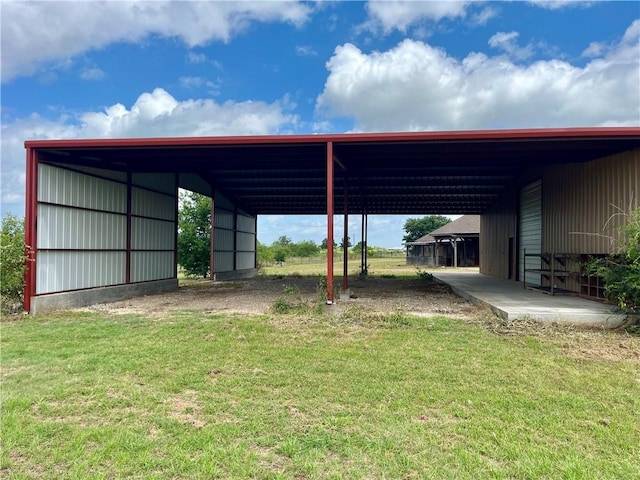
{"points": [[12, 263], [621, 271]]}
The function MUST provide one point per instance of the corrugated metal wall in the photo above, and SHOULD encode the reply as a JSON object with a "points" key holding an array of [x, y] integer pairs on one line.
{"points": [[234, 239], [578, 200], [496, 227], [153, 226], [584, 201], [530, 228], [82, 231]]}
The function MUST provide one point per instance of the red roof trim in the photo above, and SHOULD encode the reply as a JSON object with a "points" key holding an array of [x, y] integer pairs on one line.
{"points": [[524, 134]]}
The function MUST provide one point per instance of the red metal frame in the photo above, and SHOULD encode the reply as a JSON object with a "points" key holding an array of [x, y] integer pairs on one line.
{"points": [[329, 223], [31, 232], [541, 133], [345, 241]]}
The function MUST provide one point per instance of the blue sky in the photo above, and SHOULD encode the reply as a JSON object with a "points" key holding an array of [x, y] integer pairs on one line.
{"points": [[147, 69]]}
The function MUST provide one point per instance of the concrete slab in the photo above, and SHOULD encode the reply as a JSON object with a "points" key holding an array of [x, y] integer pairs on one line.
{"points": [[509, 300]]}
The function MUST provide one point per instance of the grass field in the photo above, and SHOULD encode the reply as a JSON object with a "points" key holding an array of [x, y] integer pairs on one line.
{"points": [[192, 395], [318, 266]]}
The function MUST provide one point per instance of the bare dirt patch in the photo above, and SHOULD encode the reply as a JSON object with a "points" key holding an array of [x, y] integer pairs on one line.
{"points": [[258, 295]]}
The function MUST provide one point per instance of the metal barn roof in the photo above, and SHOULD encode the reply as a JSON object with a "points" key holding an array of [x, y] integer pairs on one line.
{"points": [[461, 172]]}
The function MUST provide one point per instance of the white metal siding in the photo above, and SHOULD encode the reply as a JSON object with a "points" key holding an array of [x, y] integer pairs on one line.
{"points": [[245, 260], [100, 172], [195, 183], [60, 271], [71, 228], [223, 219], [246, 224], [151, 204], [246, 241], [223, 262], [148, 234], [147, 266], [531, 229], [56, 185]]}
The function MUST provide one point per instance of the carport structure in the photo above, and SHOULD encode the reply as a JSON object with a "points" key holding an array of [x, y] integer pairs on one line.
{"points": [[101, 214]]}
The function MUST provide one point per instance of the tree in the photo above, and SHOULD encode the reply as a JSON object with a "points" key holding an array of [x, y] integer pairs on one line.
{"points": [[324, 244], [419, 227], [194, 233], [12, 263], [305, 248], [348, 243]]}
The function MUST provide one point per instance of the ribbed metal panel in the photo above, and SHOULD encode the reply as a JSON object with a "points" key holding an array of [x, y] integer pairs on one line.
{"points": [[583, 203], [223, 262], [148, 234], [496, 227], [151, 204], [246, 223], [64, 187], [61, 271], [161, 182], [70, 228], [245, 260], [531, 230], [100, 172], [223, 240], [223, 219], [147, 266], [245, 241]]}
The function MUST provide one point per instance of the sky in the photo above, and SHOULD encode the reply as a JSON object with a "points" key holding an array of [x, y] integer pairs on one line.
{"points": [[153, 69]]}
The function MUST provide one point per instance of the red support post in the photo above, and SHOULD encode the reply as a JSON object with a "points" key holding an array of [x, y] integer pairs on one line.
{"points": [[213, 229], [329, 223], [31, 214], [345, 242]]}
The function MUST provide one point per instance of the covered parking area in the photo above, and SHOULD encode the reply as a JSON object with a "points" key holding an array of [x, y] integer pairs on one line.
{"points": [[101, 215]]}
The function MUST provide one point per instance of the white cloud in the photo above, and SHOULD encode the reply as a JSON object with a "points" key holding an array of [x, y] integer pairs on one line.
{"points": [[415, 86], [507, 42], [305, 51], [558, 4], [196, 57], [199, 82], [482, 17], [399, 15], [154, 114], [66, 29], [92, 74]]}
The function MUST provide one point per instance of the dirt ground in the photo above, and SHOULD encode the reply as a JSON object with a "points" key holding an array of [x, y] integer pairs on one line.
{"points": [[258, 295], [375, 295]]}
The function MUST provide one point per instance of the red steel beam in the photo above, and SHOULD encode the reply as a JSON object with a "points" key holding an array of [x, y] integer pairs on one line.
{"points": [[345, 242], [329, 223], [31, 214]]}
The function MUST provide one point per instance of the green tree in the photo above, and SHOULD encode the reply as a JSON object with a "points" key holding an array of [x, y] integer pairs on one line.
{"points": [[324, 244], [264, 254], [305, 248], [419, 227], [12, 263], [194, 233], [348, 242]]}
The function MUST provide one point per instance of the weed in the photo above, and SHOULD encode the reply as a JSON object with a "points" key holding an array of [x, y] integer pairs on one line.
{"points": [[424, 275]]}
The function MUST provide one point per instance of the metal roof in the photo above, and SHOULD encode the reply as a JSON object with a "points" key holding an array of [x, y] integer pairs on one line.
{"points": [[466, 225], [461, 172]]}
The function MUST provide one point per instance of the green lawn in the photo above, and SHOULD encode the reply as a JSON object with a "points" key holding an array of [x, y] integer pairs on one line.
{"points": [[200, 396], [318, 266]]}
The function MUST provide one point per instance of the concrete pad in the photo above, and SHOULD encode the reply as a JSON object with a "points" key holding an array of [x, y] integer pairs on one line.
{"points": [[91, 296], [509, 300]]}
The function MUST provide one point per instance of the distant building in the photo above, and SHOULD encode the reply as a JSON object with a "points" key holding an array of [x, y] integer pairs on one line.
{"points": [[457, 244]]}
